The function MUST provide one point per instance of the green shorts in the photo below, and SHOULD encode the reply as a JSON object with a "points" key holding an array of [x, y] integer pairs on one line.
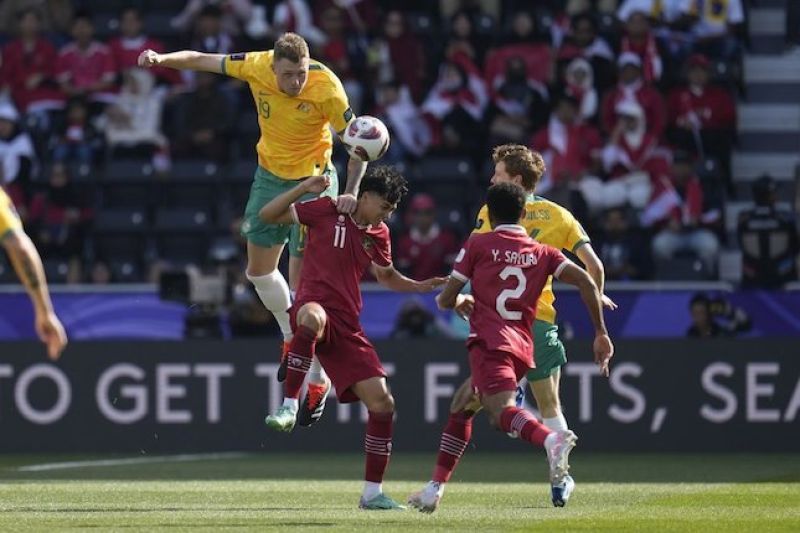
{"points": [[548, 351], [267, 186]]}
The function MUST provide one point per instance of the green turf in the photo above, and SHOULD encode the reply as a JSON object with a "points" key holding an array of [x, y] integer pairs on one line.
{"points": [[489, 493]]}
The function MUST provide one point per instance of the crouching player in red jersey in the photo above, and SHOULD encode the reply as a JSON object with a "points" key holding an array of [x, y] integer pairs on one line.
{"points": [[325, 314], [508, 271]]}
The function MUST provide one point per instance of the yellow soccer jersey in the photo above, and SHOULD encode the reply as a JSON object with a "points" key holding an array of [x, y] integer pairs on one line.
{"points": [[295, 138], [547, 223], [9, 220]]}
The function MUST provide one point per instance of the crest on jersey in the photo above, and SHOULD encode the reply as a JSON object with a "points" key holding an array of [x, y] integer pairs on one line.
{"points": [[239, 56], [305, 107], [367, 242], [340, 220]]}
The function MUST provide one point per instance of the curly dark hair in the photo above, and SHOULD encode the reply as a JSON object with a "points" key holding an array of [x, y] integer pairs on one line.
{"points": [[506, 202], [385, 181]]}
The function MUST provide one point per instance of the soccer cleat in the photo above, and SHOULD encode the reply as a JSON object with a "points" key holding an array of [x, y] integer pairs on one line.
{"points": [[558, 456], [284, 362], [427, 500], [283, 419], [561, 492], [314, 403], [381, 502]]}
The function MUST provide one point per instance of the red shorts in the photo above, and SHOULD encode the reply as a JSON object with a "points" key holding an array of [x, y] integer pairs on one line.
{"points": [[495, 371], [345, 354]]}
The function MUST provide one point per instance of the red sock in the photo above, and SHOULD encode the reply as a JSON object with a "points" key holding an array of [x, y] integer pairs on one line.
{"points": [[455, 438], [524, 423], [301, 351], [378, 445]]}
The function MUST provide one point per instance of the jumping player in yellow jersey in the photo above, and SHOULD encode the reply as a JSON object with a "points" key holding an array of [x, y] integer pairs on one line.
{"points": [[551, 224], [298, 101], [28, 266]]}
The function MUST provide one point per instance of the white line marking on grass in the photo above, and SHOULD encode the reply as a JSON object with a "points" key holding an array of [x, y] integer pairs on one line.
{"points": [[181, 458]]}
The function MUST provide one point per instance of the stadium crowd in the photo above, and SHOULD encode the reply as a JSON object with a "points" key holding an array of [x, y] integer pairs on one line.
{"points": [[119, 171]]}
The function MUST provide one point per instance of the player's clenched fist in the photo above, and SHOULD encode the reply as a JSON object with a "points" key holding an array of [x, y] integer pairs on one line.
{"points": [[316, 184], [148, 58]]}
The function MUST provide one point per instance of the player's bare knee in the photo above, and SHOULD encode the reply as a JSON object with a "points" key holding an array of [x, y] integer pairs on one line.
{"points": [[382, 404], [312, 316]]}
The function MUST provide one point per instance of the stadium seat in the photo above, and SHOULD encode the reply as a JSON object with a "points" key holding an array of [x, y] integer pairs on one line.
{"points": [[56, 270], [241, 170], [127, 170], [7, 274], [182, 220], [125, 271], [436, 168], [126, 195], [194, 170], [121, 220], [681, 268], [173, 7]]}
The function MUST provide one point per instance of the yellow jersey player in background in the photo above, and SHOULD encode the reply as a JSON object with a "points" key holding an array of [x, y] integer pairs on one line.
{"points": [[28, 266], [547, 223], [298, 101]]}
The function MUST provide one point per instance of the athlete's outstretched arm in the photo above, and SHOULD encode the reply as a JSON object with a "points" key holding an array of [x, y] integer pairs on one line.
{"points": [[347, 201], [277, 210], [603, 348], [594, 266], [28, 265], [390, 278], [449, 297], [183, 60]]}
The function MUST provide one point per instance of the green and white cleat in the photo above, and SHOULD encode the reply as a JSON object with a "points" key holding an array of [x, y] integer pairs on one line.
{"points": [[283, 419], [381, 502]]}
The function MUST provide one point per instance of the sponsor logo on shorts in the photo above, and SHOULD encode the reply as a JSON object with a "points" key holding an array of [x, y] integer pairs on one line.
{"points": [[246, 226]]}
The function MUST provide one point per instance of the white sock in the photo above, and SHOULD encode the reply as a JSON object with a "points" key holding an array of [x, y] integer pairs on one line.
{"points": [[557, 423], [371, 490], [292, 403], [273, 291], [316, 374]]}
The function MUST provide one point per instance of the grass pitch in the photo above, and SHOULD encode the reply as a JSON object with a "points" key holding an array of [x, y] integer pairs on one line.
{"points": [[490, 492]]}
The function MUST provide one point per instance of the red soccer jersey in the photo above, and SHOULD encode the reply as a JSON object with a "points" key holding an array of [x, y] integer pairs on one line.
{"points": [[337, 253], [84, 68], [508, 271]]}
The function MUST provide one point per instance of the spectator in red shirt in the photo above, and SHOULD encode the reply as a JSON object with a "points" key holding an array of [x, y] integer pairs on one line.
{"points": [[398, 56], [59, 216], [640, 40], [570, 149], [684, 230], [631, 158], [131, 42], [85, 67], [427, 249], [27, 67], [702, 116], [632, 86]]}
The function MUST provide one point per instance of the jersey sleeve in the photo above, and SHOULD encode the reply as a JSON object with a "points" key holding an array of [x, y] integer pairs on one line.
{"points": [[382, 255], [465, 262], [9, 220], [310, 212], [240, 65], [575, 235], [556, 261], [336, 107], [482, 221]]}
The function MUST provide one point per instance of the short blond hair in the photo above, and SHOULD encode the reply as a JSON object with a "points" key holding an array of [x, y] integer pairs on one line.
{"points": [[291, 46], [521, 161]]}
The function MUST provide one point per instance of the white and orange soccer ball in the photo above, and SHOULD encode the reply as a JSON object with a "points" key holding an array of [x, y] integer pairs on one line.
{"points": [[366, 138]]}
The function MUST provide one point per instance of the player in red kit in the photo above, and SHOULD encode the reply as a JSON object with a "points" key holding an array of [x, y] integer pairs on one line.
{"points": [[325, 314], [508, 271]]}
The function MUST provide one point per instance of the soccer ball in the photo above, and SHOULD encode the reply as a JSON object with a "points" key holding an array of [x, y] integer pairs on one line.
{"points": [[366, 138]]}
